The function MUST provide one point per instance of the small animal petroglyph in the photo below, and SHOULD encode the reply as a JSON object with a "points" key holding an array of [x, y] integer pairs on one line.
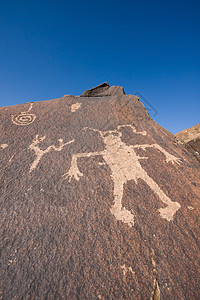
{"points": [[24, 118], [75, 106], [3, 146], [190, 207], [39, 152], [127, 269], [125, 165]]}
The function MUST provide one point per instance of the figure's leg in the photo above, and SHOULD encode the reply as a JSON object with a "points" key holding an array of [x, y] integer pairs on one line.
{"points": [[121, 213], [172, 207], [36, 161], [74, 170]]}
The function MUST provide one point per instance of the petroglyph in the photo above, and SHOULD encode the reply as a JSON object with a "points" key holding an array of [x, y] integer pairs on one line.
{"points": [[127, 269], [75, 106], [10, 160], [155, 295], [3, 146], [125, 165], [156, 291], [39, 152], [190, 207], [24, 118], [31, 106], [153, 261]]}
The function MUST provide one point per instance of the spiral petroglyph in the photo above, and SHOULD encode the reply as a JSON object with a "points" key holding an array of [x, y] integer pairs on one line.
{"points": [[24, 118]]}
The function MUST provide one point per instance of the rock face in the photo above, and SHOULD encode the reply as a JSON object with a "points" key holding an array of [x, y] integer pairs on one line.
{"points": [[104, 90], [190, 137], [97, 202]]}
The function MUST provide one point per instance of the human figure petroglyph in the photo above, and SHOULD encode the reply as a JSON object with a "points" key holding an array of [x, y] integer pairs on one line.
{"points": [[124, 165], [39, 152], [24, 118]]}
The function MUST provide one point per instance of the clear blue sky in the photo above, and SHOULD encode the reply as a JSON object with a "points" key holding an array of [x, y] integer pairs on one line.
{"points": [[51, 48]]}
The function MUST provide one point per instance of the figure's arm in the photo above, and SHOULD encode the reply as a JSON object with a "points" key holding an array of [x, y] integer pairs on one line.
{"points": [[61, 145], [168, 157], [74, 170], [133, 129]]}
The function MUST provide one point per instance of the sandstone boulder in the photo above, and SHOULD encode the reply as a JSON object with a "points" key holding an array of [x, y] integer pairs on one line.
{"points": [[97, 202]]}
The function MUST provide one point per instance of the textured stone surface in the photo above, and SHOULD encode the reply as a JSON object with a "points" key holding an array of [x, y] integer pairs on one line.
{"points": [[191, 138], [97, 202]]}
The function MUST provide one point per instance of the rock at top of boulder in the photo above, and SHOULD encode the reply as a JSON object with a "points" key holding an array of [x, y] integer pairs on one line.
{"points": [[103, 90]]}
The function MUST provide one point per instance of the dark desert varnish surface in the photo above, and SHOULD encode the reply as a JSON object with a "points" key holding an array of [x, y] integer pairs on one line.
{"points": [[97, 202]]}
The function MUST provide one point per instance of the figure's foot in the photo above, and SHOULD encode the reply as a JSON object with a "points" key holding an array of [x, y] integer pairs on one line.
{"points": [[123, 215], [169, 211], [73, 172]]}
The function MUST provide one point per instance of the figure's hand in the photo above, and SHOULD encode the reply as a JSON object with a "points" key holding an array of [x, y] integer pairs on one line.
{"points": [[173, 159], [73, 172]]}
